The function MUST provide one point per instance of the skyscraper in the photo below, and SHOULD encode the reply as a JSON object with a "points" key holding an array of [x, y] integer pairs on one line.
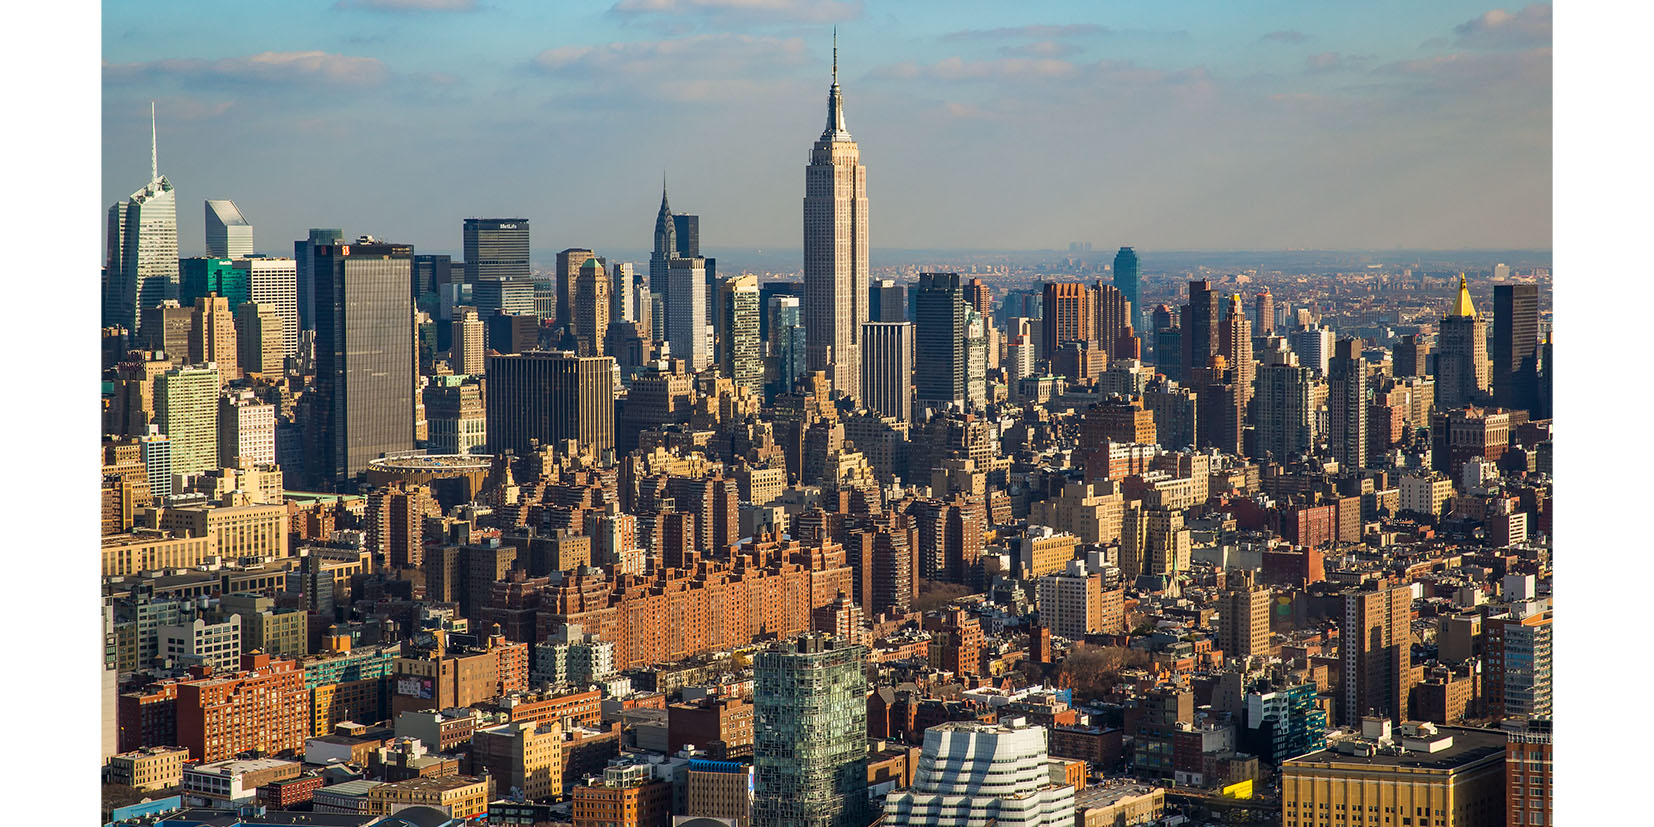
{"points": [[186, 408], [685, 300], [976, 357], [786, 343], [200, 276], [568, 269], [364, 356], [1200, 327], [259, 336], [1112, 313], [1516, 346], [1066, 315], [740, 352], [939, 342], [591, 307], [810, 734], [229, 233], [1126, 279], [508, 296], [142, 266], [1284, 409], [888, 302], [1410, 356], [1463, 372], [432, 272], [686, 231], [1314, 347], [666, 243], [835, 250], [1235, 343], [887, 368], [1375, 647], [212, 337], [465, 351], [626, 288], [550, 396], [155, 449], [1168, 342], [1263, 313], [1348, 395], [496, 248], [246, 430], [304, 258], [273, 283], [1243, 622]]}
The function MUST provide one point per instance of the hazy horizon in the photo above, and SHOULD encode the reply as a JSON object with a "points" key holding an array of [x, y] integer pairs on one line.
{"points": [[1209, 126]]}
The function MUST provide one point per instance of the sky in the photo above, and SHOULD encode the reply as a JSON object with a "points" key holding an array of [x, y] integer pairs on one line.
{"points": [[1194, 125]]}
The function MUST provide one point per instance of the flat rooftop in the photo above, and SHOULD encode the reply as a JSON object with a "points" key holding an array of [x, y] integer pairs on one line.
{"points": [[1469, 746], [1103, 795]]}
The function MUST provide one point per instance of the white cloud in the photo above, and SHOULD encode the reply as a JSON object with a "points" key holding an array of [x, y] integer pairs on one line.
{"points": [[1501, 29], [699, 68], [408, 5], [787, 11], [1041, 31], [322, 68]]}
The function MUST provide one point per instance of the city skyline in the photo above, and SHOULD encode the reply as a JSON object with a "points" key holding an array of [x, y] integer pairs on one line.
{"points": [[1428, 129], [393, 530]]}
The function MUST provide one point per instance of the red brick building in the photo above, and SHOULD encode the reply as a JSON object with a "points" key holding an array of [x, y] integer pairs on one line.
{"points": [[263, 707]]}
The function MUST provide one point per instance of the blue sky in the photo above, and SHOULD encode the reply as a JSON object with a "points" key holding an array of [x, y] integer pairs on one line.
{"points": [[1166, 125]]}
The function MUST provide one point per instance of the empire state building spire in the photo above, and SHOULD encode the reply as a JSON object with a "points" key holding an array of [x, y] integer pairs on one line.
{"points": [[836, 130]]}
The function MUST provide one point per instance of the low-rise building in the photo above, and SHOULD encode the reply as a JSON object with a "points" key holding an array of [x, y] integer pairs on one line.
{"points": [[1120, 805], [459, 796], [1440, 776], [152, 768], [235, 781]]}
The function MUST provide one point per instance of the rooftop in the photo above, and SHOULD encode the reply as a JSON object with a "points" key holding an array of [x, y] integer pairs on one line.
{"points": [[1469, 746], [448, 462], [241, 766], [1103, 795]]}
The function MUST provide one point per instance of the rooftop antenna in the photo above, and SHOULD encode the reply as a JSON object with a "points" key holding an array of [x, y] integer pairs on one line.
{"points": [[835, 55], [154, 165]]}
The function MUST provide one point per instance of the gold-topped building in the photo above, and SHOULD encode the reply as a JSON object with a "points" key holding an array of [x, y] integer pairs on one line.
{"points": [[1463, 372]]}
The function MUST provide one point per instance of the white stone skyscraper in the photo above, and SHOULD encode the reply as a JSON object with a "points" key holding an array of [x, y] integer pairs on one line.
{"points": [[835, 250], [141, 267]]}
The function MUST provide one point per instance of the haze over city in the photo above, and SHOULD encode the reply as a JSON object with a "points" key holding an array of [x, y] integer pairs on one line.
{"points": [[1199, 126], [771, 413]]}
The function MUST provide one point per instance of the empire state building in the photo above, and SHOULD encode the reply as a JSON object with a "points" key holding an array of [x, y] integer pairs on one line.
{"points": [[835, 250]]}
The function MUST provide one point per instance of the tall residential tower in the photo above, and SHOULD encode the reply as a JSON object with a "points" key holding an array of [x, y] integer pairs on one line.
{"points": [[810, 734]]}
